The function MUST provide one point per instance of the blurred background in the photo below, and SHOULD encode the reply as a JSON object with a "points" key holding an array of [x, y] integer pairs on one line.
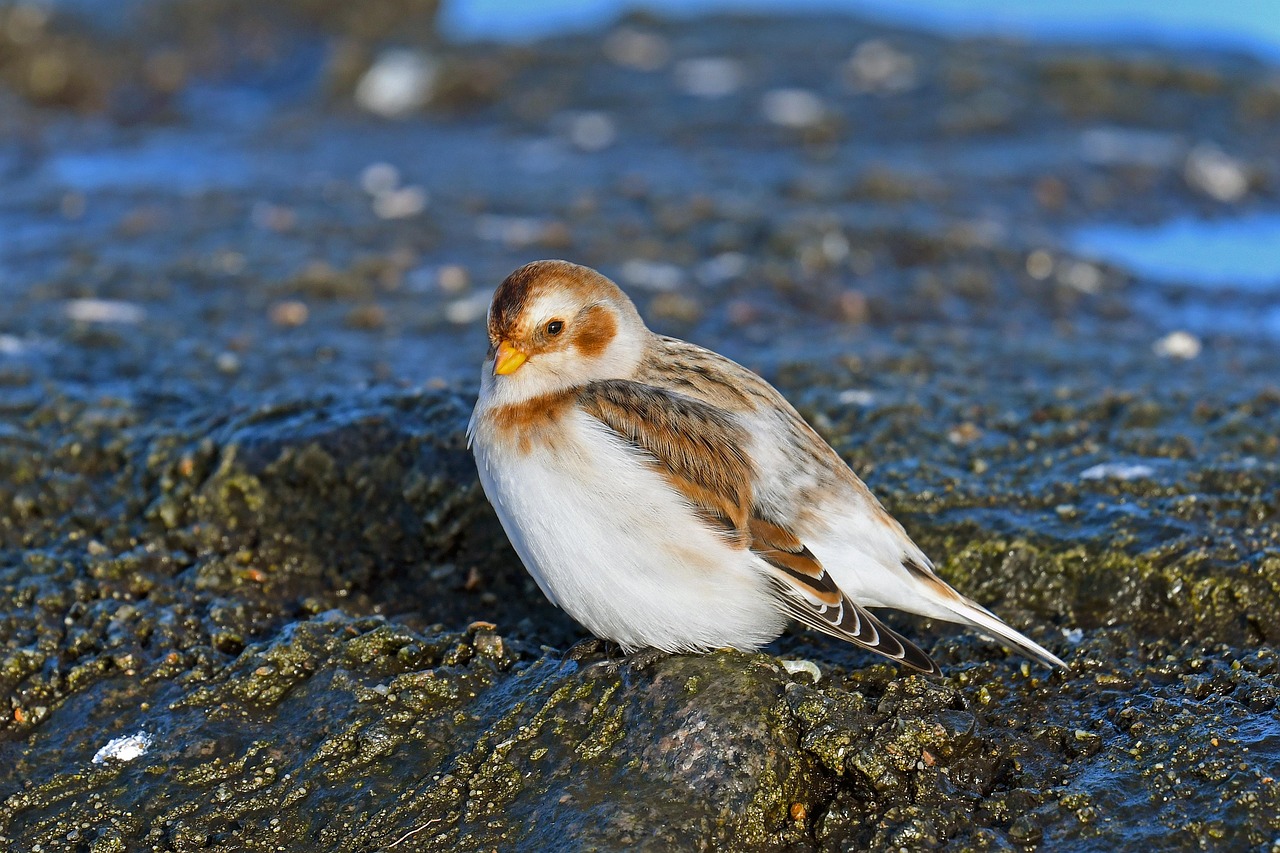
{"points": [[355, 182], [1250, 25]]}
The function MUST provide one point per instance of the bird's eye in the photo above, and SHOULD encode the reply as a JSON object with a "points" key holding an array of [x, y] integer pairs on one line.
{"points": [[555, 327]]}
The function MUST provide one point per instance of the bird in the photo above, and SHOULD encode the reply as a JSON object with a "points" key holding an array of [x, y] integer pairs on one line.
{"points": [[669, 499]]}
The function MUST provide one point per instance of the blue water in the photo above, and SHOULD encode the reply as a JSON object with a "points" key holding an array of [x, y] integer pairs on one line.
{"points": [[1239, 253], [175, 161], [1252, 25]]}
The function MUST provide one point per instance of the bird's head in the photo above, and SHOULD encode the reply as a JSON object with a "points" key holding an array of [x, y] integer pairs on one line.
{"points": [[554, 326]]}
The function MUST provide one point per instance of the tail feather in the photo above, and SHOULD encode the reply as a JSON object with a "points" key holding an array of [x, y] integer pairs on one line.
{"points": [[946, 603], [984, 620]]}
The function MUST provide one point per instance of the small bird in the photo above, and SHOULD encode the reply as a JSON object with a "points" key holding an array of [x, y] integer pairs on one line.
{"points": [[666, 497]]}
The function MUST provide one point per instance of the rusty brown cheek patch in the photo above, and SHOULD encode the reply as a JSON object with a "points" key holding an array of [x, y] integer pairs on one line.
{"points": [[596, 328]]}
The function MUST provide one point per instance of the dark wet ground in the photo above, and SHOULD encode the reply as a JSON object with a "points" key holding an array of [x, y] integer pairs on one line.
{"points": [[237, 515]]}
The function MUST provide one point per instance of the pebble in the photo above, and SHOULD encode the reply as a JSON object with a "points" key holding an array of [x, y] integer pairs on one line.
{"points": [[398, 83], [794, 108], [390, 199], [877, 66], [400, 203], [651, 275], [724, 267], [808, 667], [367, 317], [228, 363], [12, 345], [675, 306], [637, 49], [852, 306], [1216, 174], [965, 433], [378, 178], [709, 76], [856, 397], [453, 278], [1117, 471], [1179, 344], [592, 131], [1081, 276], [104, 311], [26, 22], [1039, 264], [289, 313], [467, 310], [124, 748]]}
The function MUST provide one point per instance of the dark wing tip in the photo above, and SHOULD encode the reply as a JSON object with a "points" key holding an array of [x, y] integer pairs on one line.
{"points": [[893, 645], [808, 594], [858, 626], [916, 658]]}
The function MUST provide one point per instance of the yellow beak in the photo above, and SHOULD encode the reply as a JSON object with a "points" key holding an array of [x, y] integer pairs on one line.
{"points": [[508, 359]]}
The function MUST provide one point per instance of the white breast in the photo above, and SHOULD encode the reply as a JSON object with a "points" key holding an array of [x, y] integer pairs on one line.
{"points": [[609, 541]]}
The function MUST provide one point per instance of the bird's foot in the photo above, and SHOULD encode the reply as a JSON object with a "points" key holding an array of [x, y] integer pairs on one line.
{"points": [[584, 650], [636, 662], [644, 659]]}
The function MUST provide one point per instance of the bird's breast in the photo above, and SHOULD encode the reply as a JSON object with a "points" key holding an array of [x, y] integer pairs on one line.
{"points": [[535, 424], [608, 539]]}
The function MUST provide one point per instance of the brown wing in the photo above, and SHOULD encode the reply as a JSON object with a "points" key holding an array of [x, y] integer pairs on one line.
{"points": [[699, 448], [808, 594]]}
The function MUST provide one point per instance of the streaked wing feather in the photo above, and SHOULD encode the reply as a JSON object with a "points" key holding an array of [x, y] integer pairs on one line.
{"points": [[696, 446], [700, 449], [857, 625], [809, 595]]}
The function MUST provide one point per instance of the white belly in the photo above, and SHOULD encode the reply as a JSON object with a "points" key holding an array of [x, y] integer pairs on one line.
{"points": [[610, 542]]}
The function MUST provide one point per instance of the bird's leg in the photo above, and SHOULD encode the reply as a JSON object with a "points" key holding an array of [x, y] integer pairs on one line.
{"points": [[587, 648], [638, 661], [644, 659]]}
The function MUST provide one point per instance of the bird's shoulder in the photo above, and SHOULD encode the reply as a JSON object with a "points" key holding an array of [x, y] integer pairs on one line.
{"points": [[698, 448], [693, 371]]}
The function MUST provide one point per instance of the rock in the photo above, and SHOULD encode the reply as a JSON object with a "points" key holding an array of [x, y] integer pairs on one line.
{"points": [[457, 749]]}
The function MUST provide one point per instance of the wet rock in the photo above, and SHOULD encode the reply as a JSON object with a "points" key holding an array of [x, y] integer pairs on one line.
{"points": [[453, 747]]}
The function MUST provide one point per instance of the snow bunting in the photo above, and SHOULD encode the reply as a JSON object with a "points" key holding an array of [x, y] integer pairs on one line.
{"points": [[668, 498]]}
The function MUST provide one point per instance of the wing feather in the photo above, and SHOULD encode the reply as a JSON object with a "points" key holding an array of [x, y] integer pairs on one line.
{"points": [[806, 489], [809, 595], [700, 449]]}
